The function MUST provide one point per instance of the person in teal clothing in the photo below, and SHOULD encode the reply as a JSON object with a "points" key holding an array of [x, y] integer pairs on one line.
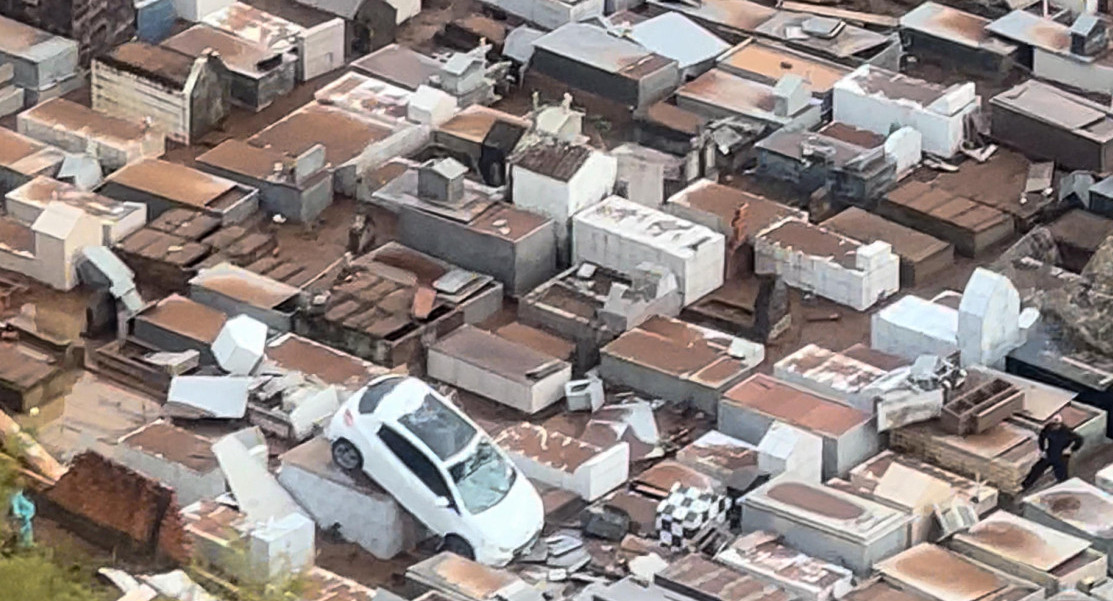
{"points": [[23, 510]]}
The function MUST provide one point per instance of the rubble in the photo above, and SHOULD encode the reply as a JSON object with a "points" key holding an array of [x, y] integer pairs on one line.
{"points": [[195, 397], [626, 275]]}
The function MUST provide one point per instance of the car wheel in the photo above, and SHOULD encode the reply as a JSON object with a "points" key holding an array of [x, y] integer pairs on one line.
{"points": [[346, 455], [459, 546]]}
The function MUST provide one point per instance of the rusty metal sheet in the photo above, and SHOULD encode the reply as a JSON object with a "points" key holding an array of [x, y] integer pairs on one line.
{"points": [[1023, 541], [941, 574]]}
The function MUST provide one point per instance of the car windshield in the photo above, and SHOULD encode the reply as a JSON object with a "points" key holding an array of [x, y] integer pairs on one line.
{"points": [[439, 427], [483, 479]]}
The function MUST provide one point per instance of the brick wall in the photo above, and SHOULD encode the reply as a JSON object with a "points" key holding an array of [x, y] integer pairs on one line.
{"points": [[113, 497]]}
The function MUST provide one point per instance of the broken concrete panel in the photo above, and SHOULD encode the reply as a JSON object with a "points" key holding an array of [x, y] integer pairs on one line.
{"points": [[271, 551], [255, 442], [791, 451], [565, 462], [177, 585], [195, 397], [584, 395], [240, 345], [281, 548], [362, 512], [905, 147], [313, 411], [764, 556], [258, 494], [906, 407], [636, 417]]}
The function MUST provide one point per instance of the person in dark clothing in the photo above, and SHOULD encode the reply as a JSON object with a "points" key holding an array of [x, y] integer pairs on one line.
{"points": [[1057, 443]]}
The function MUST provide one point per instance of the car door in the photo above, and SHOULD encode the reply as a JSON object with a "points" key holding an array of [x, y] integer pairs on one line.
{"points": [[422, 484]]}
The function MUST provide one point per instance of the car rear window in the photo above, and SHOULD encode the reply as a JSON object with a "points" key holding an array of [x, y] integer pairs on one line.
{"points": [[375, 393], [439, 427]]}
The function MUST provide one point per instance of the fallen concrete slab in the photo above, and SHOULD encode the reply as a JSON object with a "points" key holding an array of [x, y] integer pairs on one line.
{"points": [[257, 492], [196, 397]]}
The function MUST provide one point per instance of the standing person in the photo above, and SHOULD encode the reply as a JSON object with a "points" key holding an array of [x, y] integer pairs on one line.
{"points": [[1057, 444]]}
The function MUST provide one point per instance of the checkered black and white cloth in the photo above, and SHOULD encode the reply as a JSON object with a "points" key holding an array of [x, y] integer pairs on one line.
{"points": [[685, 512]]}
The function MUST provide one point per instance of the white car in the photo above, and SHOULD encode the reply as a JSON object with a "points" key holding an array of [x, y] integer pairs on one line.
{"points": [[440, 466]]}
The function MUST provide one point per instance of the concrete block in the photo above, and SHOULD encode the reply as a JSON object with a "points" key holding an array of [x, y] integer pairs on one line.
{"points": [[791, 451], [275, 550], [176, 457], [362, 512], [1104, 478], [565, 462], [431, 106], [240, 345], [584, 395], [257, 492], [988, 319], [11, 100], [196, 397], [905, 147], [499, 369]]}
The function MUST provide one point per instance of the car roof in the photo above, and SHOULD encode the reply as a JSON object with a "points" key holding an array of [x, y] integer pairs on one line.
{"points": [[407, 397]]}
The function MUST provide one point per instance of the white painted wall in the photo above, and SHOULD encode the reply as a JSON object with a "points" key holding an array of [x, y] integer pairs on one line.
{"points": [[113, 229], [1061, 68], [988, 319], [940, 123], [322, 48], [374, 521], [559, 200], [196, 10], [597, 239], [605, 471], [527, 397], [121, 94], [873, 278], [912, 327]]}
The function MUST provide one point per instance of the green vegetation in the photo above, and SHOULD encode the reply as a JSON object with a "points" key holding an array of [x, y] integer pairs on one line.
{"points": [[38, 574], [59, 574]]}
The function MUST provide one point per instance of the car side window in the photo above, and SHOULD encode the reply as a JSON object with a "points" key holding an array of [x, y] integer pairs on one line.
{"points": [[416, 461], [375, 393]]}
